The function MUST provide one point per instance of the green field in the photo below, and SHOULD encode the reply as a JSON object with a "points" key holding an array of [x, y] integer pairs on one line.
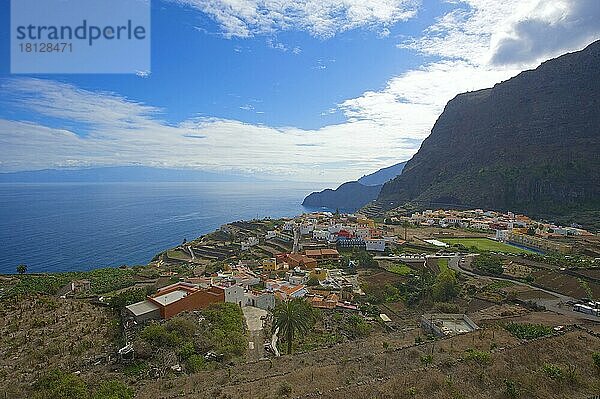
{"points": [[402, 270], [485, 244], [443, 264]]}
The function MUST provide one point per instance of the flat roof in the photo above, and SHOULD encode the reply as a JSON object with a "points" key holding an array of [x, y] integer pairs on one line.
{"points": [[169, 298], [141, 308], [384, 317]]}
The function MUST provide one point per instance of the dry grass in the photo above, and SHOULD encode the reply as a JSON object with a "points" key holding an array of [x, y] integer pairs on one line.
{"points": [[368, 371], [39, 333], [47, 332]]}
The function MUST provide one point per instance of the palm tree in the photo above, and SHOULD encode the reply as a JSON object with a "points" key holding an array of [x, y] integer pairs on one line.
{"points": [[293, 317], [21, 269], [406, 225]]}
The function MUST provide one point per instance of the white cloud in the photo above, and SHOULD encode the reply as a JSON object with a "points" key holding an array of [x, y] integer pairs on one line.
{"points": [[381, 127], [521, 33], [411, 102], [552, 28], [124, 132], [321, 18]]}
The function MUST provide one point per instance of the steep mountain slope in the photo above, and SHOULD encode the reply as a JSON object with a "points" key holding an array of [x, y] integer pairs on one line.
{"points": [[350, 196], [382, 176], [530, 144]]}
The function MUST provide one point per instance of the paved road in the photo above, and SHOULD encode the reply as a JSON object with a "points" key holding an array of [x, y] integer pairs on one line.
{"points": [[554, 305], [253, 316]]}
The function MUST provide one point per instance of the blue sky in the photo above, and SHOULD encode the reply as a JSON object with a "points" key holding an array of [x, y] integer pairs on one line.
{"points": [[307, 90]]}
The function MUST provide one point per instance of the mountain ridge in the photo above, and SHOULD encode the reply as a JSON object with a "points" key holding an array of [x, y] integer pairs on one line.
{"points": [[353, 195], [529, 144]]}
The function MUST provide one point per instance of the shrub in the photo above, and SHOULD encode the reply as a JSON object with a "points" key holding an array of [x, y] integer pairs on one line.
{"points": [[158, 335], [285, 389], [552, 371], [528, 330], [127, 297], [445, 307], [113, 389], [427, 359], [183, 328], [135, 369], [481, 357], [596, 359], [510, 389], [225, 331], [187, 350], [58, 384], [195, 363], [357, 327]]}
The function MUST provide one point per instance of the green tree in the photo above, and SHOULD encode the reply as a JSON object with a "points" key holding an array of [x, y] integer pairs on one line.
{"points": [[293, 317], [312, 281], [490, 264], [445, 286], [22, 268], [127, 297], [586, 287]]}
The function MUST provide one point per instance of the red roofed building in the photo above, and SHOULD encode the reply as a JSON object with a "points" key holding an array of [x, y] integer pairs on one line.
{"points": [[344, 234]]}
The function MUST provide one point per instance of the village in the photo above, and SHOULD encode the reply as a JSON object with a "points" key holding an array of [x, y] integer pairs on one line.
{"points": [[406, 281]]}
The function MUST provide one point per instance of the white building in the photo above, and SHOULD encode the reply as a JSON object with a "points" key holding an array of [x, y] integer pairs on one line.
{"points": [[375, 244], [263, 300], [234, 294], [306, 229], [249, 243], [335, 228], [321, 235], [480, 225], [502, 235], [362, 233]]}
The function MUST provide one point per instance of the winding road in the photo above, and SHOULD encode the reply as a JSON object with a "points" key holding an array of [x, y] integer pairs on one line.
{"points": [[554, 305]]}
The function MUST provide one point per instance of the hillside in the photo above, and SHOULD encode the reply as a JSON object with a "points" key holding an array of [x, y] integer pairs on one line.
{"points": [[351, 196], [529, 144], [383, 175], [348, 197]]}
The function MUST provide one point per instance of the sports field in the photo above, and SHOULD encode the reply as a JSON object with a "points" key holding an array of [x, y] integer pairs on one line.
{"points": [[485, 244]]}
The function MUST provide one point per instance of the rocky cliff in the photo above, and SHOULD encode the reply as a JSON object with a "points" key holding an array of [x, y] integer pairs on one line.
{"points": [[530, 144], [351, 196]]}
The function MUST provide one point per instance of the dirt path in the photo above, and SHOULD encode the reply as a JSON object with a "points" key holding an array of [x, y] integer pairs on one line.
{"points": [[255, 337]]}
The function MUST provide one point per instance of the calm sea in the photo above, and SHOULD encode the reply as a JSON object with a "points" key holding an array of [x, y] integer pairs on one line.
{"points": [[74, 226]]}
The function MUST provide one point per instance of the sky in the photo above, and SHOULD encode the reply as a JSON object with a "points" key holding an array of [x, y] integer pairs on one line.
{"points": [[305, 90]]}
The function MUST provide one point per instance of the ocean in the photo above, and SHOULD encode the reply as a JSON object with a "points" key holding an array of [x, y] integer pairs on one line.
{"points": [[77, 226]]}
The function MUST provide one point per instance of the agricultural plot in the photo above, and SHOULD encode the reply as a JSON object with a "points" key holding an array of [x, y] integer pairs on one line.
{"points": [[485, 244]]}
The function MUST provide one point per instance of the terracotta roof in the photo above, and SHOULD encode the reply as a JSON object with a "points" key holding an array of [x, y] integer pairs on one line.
{"points": [[313, 252], [329, 251]]}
